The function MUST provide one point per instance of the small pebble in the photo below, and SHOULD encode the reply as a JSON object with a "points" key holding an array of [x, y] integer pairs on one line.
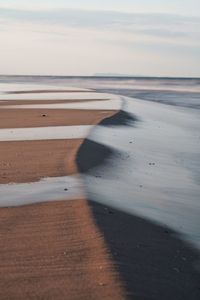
{"points": [[102, 284]]}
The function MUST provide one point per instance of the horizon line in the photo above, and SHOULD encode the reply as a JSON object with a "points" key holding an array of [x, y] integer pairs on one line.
{"points": [[102, 76]]}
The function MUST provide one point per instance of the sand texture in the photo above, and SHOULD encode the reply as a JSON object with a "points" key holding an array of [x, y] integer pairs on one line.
{"points": [[19, 118], [29, 161], [54, 251]]}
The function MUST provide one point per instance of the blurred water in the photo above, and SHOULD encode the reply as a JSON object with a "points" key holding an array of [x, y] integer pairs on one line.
{"points": [[155, 173], [174, 91]]}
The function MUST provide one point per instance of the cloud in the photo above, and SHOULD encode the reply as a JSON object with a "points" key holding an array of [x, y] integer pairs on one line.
{"points": [[98, 41], [160, 25]]}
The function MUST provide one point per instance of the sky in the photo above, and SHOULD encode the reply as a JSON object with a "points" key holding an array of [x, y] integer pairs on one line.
{"points": [[85, 37]]}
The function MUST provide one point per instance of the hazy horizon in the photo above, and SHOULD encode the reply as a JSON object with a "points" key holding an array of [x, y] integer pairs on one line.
{"points": [[101, 76], [137, 38]]}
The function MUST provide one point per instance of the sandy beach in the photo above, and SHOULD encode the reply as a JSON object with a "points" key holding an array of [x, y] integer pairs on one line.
{"points": [[67, 229], [29, 161]]}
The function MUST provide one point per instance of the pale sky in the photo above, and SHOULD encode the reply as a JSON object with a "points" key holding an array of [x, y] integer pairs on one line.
{"points": [[83, 37]]}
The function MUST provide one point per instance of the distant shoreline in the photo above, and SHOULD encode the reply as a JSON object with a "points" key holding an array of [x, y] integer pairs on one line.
{"points": [[101, 76]]}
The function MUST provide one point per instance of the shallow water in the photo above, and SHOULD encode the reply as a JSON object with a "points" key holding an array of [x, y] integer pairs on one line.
{"points": [[10, 87], [55, 96], [45, 133], [112, 104], [47, 189]]}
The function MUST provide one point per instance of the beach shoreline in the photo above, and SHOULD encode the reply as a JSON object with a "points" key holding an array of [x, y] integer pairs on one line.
{"points": [[81, 247]]}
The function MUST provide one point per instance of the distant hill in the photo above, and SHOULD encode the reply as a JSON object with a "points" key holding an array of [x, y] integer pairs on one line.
{"points": [[113, 75]]}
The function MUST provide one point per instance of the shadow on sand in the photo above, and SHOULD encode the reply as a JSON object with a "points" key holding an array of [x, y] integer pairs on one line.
{"points": [[92, 154], [154, 263], [121, 118]]}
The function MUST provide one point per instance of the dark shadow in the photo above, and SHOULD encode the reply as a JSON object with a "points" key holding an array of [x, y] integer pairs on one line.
{"points": [[153, 262], [121, 118], [91, 155]]}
